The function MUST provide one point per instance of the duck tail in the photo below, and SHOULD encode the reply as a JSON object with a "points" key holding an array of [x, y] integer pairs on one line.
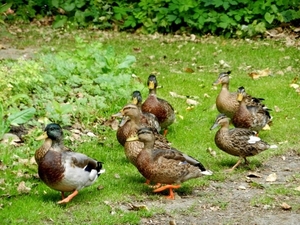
{"points": [[207, 172], [99, 168]]}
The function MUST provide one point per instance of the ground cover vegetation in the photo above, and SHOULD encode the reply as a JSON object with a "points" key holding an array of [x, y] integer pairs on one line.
{"points": [[79, 78], [232, 18]]}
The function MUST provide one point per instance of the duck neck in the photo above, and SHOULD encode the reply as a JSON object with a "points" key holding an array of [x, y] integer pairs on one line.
{"points": [[42, 151], [152, 91], [225, 86]]}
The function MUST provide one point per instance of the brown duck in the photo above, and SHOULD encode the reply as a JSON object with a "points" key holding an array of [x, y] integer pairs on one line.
{"points": [[226, 101], [157, 106], [133, 123], [166, 167], [147, 119], [62, 169], [253, 116], [239, 142]]}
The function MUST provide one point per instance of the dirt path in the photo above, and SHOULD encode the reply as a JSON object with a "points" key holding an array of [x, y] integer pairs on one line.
{"points": [[231, 202]]}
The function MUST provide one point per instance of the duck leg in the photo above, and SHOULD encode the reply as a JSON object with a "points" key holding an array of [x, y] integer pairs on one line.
{"points": [[62, 195], [238, 163], [170, 187], [165, 132], [69, 198]]}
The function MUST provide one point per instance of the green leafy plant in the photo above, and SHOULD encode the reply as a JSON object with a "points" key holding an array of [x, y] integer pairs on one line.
{"points": [[228, 18], [14, 119]]}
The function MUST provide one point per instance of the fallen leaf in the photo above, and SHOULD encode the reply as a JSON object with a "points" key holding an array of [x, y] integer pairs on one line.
{"points": [[190, 108], [211, 152], [272, 177], [295, 86], [11, 139], [100, 187], [297, 188], [137, 207], [193, 37], [189, 70], [285, 206], [22, 189], [2, 166], [90, 134], [260, 73], [277, 109], [241, 187], [253, 174], [175, 95], [2, 181], [224, 64], [266, 127], [192, 102]]}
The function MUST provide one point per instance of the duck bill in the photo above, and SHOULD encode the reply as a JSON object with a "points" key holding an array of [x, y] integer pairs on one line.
{"points": [[135, 101], [240, 97], [133, 138], [214, 126], [42, 137], [217, 82], [118, 115], [151, 85]]}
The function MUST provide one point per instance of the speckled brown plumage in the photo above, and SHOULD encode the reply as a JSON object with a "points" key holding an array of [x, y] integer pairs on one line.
{"points": [[238, 141], [226, 101], [157, 106], [133, 148], [165, 166], [146, 119], [62, 169], [254, 117]]}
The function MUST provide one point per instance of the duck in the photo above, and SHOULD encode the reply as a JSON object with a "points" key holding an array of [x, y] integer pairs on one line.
{"points": [[146, 117], [62, 169], [254, 116], [241, 142], [133, 123], [226, 101], [166, 167], [161, 108]]}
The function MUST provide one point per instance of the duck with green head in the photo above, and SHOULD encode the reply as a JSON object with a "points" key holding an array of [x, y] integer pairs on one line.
{"points": [[62, 169]]}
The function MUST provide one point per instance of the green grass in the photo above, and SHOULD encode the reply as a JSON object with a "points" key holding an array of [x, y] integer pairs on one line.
{"points": [[167, 56]]}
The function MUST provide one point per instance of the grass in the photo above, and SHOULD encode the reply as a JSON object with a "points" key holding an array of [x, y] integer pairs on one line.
{"points": [[169, 57]]}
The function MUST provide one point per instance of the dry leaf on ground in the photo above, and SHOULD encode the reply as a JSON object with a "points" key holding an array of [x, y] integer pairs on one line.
{"points": [[272, 177], [285, 206], [22, 189], [260, 73]]}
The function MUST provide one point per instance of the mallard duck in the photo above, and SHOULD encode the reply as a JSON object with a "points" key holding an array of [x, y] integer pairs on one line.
{"points": [[62, 169], [157, 106], [239, 142], [147, 118], [254, 116], [167, 167], [133, 123], [226, 101]]}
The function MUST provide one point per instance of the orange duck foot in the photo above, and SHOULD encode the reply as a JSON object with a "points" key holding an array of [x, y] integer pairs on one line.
{"points": [[165, 132], [69, 198], [170, 187]]}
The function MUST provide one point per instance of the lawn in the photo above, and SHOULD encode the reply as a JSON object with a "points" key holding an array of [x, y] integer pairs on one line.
{"points": [[185, 65]]}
